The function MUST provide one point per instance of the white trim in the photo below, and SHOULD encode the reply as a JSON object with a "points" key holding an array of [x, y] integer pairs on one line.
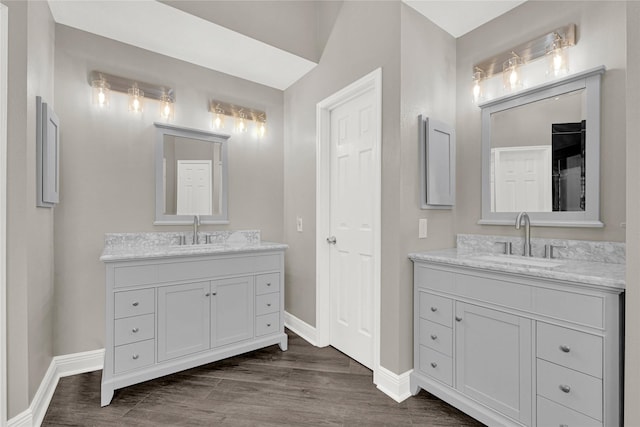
{"points": [[393, 385], [301, 328], [61, 366], [4, 22], [370, 82]]}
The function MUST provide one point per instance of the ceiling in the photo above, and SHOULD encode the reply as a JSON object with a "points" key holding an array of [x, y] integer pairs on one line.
{"points": [[459, 17], [218, 48]]}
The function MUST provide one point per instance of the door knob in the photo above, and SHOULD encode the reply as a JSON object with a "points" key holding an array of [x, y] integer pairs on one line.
{"points": [[331, 240]]}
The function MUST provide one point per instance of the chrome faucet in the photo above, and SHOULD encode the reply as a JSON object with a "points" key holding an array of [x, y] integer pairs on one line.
{"points": [[196, 223], [527, 232]]}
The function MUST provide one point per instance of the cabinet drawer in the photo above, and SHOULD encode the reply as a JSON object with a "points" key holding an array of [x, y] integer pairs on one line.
{"points": [[437, 309], [436, 337], [134, 329], [267, 283], [436, 365], [583, 392], [267, 303], [134, 356], [267, 324], [135, 275], [434, 279], [570, 306], [134, 303], [552, 414], [573, 349]]}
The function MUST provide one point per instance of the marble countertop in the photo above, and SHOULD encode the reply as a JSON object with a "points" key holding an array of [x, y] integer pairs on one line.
{"points": [[600, 274], [125, 253]]}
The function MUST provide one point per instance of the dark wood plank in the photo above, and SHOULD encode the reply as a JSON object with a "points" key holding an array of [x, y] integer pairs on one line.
{"points": [[305, 385]]}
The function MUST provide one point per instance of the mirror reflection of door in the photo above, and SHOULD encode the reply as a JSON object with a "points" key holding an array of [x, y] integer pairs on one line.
{"points": [[568, 164], [194, 187], [522, 178]]}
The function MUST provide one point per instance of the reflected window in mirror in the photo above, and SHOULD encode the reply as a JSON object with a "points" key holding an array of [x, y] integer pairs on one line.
{"points": [[541, 154], [191, 176]]}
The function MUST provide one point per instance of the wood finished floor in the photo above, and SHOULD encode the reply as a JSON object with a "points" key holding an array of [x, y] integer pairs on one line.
{"points": [[305, 385]]}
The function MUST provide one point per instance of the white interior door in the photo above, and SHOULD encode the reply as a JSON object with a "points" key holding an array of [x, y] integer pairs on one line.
{"points": [[353, 139], [194, 187], [522, 179]]}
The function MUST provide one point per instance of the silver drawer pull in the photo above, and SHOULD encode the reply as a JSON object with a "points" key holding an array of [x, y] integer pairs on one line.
{"points": [[135, 330], [565, 388], [434, 309], [268, 284], [434, 336], [434, 365], [564, 425], [135, 357], [458, 319], [135, 304], [268, 304], [268, 325], [565, 348], [207, 294]]}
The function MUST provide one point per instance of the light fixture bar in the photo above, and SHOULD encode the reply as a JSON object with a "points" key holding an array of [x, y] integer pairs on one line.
{"points": [[234, 110], [528, 51], [123, 84]]}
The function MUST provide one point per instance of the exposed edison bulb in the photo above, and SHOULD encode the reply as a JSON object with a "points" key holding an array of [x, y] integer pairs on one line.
{"points": [[241, 123], [262, 129], [135, 99], [100, 90], [166, 107], [477, 87], [557, 54], [511, 73], [218, 118]]}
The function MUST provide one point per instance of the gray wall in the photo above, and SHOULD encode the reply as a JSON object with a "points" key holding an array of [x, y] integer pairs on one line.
{"points": [[601, 41], [107, 180], [368, 35], [29, 229], [632, 297]]}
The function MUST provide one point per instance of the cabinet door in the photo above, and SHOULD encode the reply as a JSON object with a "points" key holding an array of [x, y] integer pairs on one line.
{"points": [[183, 319], [493, 359], [232, 315]]}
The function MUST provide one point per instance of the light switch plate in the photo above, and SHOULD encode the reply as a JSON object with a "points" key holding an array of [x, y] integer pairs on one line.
{"points": [[422, 228], [299, 224]]}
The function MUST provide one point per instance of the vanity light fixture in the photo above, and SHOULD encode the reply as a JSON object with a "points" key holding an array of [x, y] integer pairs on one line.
{"points": [[218, 117], [136, 90], [558, 57], [478, 75], [166, 107], [511, 73], [552, 45], [242, 116], [100, 91], [135, 99], [241, 122]]}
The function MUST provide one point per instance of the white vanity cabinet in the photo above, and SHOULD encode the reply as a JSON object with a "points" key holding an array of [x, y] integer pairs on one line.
{"points": [[517, 350], [167, 314]]}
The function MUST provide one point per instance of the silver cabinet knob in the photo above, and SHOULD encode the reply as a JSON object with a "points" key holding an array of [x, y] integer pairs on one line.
{"points": [[565, 348], [434, 365], [434, 336], [565, 388], [268, 325], [332, 240], [207, 294], [135, 357], [269, 284], [434, 309], [135, 330], [269, 304], [135, 304], [458, 319], [214, 293]]}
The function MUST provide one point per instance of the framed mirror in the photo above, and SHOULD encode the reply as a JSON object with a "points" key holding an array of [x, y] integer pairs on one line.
{"points": [[541, 154], [191, 176]]}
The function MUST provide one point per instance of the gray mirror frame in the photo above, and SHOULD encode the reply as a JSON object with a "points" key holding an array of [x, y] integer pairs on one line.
{"points": [[163, 129], [589, 80]]}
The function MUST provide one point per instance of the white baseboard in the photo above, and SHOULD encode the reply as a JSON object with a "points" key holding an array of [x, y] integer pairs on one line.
{"points": [[393, 385], [301, 328], [61, 366]]}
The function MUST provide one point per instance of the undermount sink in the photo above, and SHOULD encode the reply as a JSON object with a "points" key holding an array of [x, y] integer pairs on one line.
{"points": [[519, 260]]}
